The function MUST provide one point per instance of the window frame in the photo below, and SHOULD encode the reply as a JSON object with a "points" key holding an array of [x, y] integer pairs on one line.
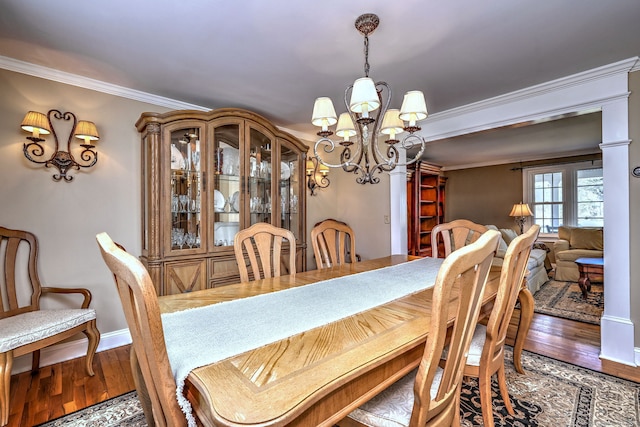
{"points": [[569, 188]]}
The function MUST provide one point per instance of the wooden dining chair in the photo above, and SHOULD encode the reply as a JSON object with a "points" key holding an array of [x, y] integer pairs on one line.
{"points": [[142, 312], [453, 235], [430, 394], [486, 354], [25, 327], [334, 243], [262, 244]]}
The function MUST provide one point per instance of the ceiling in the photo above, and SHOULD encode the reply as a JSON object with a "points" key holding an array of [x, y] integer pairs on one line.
{"points": [[275, 57]]}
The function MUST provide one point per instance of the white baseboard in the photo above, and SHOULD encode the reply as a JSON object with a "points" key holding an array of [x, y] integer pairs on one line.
{"points": [[71, 350], [636, 351]]}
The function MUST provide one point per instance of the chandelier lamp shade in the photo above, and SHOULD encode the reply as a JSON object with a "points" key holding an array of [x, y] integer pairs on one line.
{"points": [[520, 212], [40, 124], [368, 117]]}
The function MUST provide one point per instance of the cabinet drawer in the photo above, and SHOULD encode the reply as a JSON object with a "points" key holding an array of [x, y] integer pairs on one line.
{"points": [[222, 271]]}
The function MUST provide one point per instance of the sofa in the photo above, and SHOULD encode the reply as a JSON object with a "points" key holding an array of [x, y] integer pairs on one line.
{"points": [[536, 266], [574, 243]]}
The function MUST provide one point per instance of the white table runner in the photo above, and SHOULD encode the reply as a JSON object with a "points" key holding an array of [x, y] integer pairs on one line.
{"points": [[204, 335]]}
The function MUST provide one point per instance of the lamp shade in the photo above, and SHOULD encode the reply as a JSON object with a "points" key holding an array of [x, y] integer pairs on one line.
{"points": [[520, 210], [310, 167], [323, 169], [36, 123], [87, 131], [324, 115], [364, 96], [345, 128], [414, 107], [391, 123]]}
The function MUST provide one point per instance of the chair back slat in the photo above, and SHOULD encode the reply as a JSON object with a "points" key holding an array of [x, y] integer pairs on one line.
{"points": [[262, 243], [454, 235], [512, 275], [20, 272], [461, 278], [333, 243], [142, 312]]}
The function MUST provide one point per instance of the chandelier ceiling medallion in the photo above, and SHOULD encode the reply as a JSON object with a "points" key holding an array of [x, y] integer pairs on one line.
{"points": [[361, 99]]}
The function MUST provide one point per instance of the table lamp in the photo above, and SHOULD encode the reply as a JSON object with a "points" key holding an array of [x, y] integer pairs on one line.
{"points": [[520, 212]]}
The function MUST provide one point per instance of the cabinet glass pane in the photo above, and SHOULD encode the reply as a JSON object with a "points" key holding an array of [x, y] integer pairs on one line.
{"points": [[186, 188], [289, 190], [259, 188], [226, 189]]}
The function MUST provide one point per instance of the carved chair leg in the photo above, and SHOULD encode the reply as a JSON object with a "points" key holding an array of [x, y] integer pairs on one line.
{"points": [[35, 361], [93, 335], [6, 361], [484, 385], [504, 390]]}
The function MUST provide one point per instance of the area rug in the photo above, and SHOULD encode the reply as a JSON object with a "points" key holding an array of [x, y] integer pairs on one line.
{"points": [[551, 394], [564, 299]]}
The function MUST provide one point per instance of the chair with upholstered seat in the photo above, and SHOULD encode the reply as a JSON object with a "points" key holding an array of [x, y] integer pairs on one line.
{"points": [[141, 309], [25, 327], [262, 244], [486, 354], [430, 394], [334, 243], [454, 235]]}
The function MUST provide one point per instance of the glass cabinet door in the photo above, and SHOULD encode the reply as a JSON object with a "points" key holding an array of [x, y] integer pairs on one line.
{"points": [[185, 194], [259, 177], [226, 203], [289, 188]]}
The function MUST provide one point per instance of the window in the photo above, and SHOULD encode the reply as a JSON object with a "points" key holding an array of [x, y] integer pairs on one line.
{"points": [[569, 194]]}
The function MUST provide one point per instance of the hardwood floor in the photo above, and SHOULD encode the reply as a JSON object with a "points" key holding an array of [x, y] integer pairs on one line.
{"points": [[64, 388]]}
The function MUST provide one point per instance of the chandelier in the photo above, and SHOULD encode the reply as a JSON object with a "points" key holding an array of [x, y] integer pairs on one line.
{"points": [[367, 106]]}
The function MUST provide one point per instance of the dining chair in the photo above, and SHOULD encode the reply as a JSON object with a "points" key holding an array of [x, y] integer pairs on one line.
{"points": [[142, 312], [24, 326], [453, 235], [430, 394], [262, 244], [334, 243], [486, 354]]}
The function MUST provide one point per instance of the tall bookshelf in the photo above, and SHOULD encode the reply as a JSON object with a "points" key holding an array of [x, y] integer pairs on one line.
{"points": [[425, 205]]}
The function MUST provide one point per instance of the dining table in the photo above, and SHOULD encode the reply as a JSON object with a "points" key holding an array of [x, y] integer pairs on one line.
{"points": [[317, 375]]}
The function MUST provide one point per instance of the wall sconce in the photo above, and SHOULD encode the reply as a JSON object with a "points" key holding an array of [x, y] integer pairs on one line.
{"points": [[520, 212], [316, 175], [39, 124]]}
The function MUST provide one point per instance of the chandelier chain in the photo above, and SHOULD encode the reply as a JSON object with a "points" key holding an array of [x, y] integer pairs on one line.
{"points": [[366, 56]]}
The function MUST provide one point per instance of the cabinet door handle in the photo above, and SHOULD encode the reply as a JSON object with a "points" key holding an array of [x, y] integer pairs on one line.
{"points": [[204, 181]]}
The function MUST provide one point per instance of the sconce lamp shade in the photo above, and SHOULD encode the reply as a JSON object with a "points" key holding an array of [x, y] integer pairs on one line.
{"points": [[521, 210], [414, 107], [310, 167], [87, 131], [364, 97], [391, 123], [345, 128], [323, 169], [36, 123], [324, 115]]}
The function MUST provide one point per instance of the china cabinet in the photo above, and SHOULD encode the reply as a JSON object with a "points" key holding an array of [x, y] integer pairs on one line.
{"points": [[205, 176], [425, 205]]}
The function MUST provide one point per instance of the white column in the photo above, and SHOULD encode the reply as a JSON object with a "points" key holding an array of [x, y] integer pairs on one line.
{"points": [[617, 330], [398, 207]]}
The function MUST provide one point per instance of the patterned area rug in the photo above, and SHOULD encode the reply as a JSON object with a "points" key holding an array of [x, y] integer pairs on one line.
{"points": [[564, 299], [551, 394]]}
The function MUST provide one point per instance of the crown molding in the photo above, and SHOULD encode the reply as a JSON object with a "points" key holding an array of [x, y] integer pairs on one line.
{"points": [[40, 71], [596, 77], [519, 160]]}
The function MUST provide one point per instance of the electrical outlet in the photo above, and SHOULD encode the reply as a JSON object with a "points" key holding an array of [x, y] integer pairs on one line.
{"points": [[386, 219]]}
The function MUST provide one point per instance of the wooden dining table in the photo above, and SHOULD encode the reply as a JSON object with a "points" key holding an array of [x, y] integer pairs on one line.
{"points": [[318, 377]]}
